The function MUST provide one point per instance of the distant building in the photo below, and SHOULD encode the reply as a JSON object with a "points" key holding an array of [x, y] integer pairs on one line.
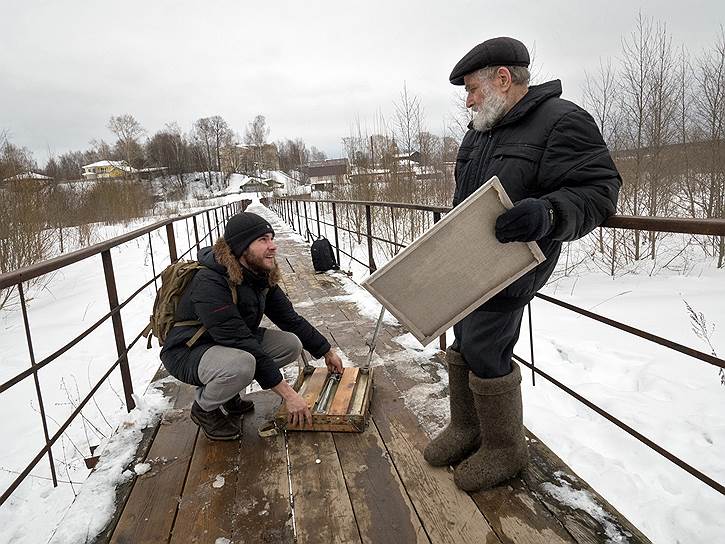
{"points": [[412, 156], [108, 170], [29, 176], [259, 185], [322, 175]]}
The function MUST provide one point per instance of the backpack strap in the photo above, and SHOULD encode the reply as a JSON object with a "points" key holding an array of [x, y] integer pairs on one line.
{"points": [[191, 341]]}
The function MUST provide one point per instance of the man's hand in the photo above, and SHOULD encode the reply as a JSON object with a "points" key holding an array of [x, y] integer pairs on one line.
{"points": [[529, 220], [333, 362], [298, 412]]}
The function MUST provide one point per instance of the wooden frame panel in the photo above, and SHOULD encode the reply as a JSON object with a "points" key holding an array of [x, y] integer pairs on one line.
{"points": [[454, 267]]}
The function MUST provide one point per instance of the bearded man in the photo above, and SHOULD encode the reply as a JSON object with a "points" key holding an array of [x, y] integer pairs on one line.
{"points": [[554, 164], [229, 298]]}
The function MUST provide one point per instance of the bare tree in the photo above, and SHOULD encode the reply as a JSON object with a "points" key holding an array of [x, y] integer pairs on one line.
{"points": [[128, 130], [710, 112], [256, 138]]}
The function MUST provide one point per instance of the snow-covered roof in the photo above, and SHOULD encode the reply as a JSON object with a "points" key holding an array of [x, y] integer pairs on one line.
{"points": [[121, 165], [28, 175]]}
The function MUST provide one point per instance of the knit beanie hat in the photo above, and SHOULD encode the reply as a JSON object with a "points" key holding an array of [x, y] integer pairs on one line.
{"points": [[244, 228]]}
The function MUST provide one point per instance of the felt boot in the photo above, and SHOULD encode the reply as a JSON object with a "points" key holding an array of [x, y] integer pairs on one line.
{"points": [[461, 437], [503, 452]]}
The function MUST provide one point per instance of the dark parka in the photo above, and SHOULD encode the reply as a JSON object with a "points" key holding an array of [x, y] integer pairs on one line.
{"points": [[208, 299], [550, 148]]}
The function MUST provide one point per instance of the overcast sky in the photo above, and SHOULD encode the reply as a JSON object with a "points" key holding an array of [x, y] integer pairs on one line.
{"points": [[310, 67]]}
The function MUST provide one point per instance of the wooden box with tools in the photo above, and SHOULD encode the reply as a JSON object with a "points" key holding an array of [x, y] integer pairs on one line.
{"points": [[338, 402]]}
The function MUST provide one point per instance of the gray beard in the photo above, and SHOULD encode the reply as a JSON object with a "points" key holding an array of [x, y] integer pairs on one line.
{"points": [[494, 108]]}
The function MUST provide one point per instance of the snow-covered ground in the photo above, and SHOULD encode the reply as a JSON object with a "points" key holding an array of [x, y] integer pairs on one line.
{"points": [[674, 400]]}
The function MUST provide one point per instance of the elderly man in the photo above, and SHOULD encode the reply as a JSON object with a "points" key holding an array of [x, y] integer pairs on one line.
{"points": [[552, 160], [228, 299]]}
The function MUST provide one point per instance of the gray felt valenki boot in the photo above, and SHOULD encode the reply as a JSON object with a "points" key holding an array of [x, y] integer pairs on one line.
{"points": [[503, 452], [461, 437]]}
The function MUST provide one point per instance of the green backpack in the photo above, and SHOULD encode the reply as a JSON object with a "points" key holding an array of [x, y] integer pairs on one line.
{"points": [[174, 280]]}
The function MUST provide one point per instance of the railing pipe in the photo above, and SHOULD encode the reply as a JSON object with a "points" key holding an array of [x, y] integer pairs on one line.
{"points": [[307, 225], [118, 329], [334, 225], [368, 221], [39, 394], [153, 263], [317, 215], [171, 238]]}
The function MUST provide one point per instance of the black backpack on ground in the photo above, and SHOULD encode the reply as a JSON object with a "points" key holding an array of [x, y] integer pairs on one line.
{"points": [[323, 256]]}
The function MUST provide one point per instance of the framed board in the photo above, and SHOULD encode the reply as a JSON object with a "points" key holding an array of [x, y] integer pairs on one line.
{"points": [[453, 267]]}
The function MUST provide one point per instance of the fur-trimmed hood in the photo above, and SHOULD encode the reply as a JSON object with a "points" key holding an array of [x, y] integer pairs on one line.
{"points": [[223, 256], [221, 259]]}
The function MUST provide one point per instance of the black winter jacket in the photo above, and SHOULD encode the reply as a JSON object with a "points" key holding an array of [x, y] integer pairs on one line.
{"points": [[550, 148], [208, 299]]}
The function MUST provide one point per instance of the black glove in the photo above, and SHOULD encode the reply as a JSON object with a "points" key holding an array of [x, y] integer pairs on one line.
{"points": [[530, 219]]}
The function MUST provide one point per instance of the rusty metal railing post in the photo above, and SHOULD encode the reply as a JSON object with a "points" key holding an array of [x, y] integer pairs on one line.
{"points": [[208, 226], [41, 405], [334, 226], [153, 263], [317, 214], [442, 342], [171, 238], [118, 329], [216, 223], [369, 223], [531, 345], [196, 231], [299, 219], [307, 227], [188, 236]]}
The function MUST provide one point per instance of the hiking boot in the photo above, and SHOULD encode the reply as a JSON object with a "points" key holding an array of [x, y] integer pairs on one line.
{"points": [[461, 437], [215, 424], [503, 452], [236, 406]]}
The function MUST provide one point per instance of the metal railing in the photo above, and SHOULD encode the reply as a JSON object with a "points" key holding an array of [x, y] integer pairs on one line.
{"points": [[289, 209], [215, 217]]}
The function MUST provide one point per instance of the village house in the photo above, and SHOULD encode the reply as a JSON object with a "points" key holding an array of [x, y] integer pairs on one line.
{"points": [[322, 175]]}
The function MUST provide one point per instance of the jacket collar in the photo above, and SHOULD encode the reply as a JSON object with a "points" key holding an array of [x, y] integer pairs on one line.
{"points": [[531, 100], [536, 95]]}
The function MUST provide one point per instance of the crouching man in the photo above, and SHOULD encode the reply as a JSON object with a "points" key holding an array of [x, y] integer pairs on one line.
{"points": [[224, 348]]}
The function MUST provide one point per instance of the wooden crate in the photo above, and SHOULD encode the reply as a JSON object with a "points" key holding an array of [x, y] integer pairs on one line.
{"points": [[348, 409]]}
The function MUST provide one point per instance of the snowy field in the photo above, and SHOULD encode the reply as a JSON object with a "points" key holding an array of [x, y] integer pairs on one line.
{"points": [[671, 399]]}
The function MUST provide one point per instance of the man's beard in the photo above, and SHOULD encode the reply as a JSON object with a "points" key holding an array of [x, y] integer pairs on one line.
{"points": [[491, 112], [260, 265]]}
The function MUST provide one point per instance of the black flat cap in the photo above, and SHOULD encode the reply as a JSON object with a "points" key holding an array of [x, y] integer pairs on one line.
{"points": [[494, 52]]}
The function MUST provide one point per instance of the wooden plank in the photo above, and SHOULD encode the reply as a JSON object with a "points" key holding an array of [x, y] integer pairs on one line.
{"points": [[341, 403], [206, 508], [544, 465], [315, 383], [310, 391], [383, 511], [123, 491], [518, 517], [323, 511], [448, 514], [151, 508], [262, 511]]}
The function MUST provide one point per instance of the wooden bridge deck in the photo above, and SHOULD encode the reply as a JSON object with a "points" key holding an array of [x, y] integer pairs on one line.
{"points": [[323, 487]]}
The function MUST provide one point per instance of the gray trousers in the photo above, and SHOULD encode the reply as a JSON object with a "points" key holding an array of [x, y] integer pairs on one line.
{"points": [[226, 372]]}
